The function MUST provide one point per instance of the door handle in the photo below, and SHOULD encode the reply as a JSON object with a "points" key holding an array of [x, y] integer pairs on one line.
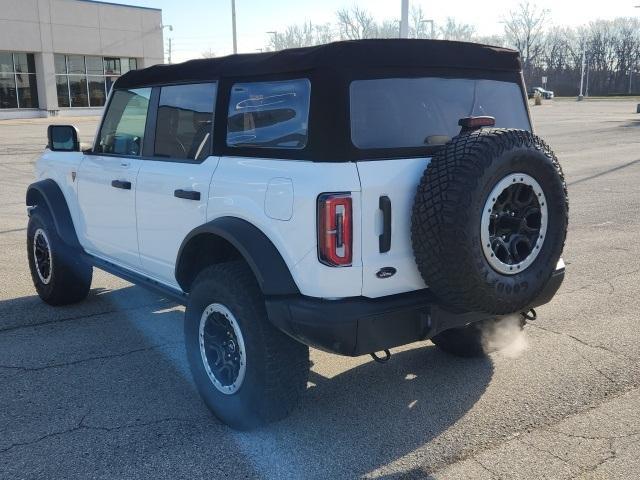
{"points": [[187, 194], [121, 184], [384, 240]]}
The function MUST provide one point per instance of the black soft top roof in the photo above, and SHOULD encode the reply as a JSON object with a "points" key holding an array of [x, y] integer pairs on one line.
{"points": [[345, 56]]}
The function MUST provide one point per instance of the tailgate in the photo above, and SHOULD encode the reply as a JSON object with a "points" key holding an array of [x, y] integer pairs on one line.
{"points": [[398, 180]]}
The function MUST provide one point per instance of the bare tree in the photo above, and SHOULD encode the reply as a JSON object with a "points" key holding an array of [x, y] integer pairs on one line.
{"points": [[611, 47], [356, 23], [208, 53], [388, 29], [452, 30], [418, 24], [524, 29], [304, 35], [496, 40]]}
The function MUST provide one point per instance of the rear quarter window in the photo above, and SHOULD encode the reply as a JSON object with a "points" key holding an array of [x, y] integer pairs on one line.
{"points": [[418, 112], [269, 114]]}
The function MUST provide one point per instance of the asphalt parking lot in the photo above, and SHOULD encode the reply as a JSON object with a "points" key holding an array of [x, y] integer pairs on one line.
{"points": [[102, 390]]}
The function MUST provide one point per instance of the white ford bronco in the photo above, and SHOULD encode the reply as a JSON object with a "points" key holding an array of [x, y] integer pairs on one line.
{"points": [[352, 197]]}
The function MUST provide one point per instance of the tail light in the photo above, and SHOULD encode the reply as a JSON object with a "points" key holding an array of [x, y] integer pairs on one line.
{"points": [[335, 229]]}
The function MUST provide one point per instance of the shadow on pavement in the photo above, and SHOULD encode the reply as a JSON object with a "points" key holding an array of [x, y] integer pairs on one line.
{"points": [[606, 172], [103, 388]]}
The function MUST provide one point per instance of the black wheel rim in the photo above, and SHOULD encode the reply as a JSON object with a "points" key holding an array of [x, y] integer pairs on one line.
{"points": [[42, 255], [222, 348], [514, 223]]}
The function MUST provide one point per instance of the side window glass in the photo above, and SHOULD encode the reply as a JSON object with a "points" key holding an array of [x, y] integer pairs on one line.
{"points": [[269, 114], [185, 121], [122, 131]]}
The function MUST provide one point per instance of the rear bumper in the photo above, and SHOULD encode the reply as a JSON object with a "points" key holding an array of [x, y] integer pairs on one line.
{"points": [[359, 325]]}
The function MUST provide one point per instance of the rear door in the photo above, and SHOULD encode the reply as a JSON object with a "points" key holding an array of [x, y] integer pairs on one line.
{"points": [[393, 116], [173, 183]]}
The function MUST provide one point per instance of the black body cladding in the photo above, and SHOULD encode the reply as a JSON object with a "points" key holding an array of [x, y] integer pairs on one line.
{"points": [[48, 193], [261, 255]]}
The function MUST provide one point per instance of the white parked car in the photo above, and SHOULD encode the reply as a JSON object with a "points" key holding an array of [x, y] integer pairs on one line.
{"points": [[352, 197], [546, 94]]}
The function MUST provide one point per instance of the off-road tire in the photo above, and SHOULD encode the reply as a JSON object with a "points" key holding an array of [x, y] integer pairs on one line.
{"points": [[277, 367], [447, 214], [71, 275]]}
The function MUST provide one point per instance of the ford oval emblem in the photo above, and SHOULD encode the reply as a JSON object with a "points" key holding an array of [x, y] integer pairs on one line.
{"points": [[386, 272]]}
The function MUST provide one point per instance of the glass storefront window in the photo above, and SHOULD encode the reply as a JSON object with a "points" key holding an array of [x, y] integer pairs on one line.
{"points": [[75, 64], [60, 62], [18, 80], [27, 91], [8, 97], [94, 66], [86, 81], [78, 91], [62, 85], [97, 94], [112, 66], [24, 63], [6, 62]]}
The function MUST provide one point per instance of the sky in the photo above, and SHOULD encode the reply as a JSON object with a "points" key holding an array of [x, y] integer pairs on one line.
{"points": [[203, 25]]}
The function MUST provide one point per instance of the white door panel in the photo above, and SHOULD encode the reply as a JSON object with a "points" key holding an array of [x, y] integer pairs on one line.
{"points": [[398, 180], [164, 219], [107, 213]]}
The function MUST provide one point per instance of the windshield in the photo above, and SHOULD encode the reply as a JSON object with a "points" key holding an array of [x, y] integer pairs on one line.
{"points": [[417, 112]]}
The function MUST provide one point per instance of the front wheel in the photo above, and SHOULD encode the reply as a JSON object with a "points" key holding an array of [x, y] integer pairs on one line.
{"points": [[247, 372], [61, 276]]}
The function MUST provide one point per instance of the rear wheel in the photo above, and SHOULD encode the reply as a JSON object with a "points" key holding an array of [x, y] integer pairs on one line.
{"points": [[248, 372], [59, 273]]}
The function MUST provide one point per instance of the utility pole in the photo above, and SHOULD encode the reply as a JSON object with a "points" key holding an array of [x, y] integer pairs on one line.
{"points": [[169, 56], [233, 25], [404, 19]]}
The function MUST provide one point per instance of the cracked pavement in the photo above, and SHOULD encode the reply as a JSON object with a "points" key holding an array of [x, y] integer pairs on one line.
{"points": [[101, 389]]}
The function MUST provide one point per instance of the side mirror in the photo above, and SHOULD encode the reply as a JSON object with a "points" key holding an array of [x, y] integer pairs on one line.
{"points": [[63, 138]]}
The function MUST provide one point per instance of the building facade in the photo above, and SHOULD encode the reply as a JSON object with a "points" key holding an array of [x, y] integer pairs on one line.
{"points": [[60, 57]]}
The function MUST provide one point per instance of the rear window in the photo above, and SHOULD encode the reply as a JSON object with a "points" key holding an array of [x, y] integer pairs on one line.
{"points": [[269, 114], [417, 112]]}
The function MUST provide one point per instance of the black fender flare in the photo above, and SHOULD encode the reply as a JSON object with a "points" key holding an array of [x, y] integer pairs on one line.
{"points": [[49, 192], [264, 259]]}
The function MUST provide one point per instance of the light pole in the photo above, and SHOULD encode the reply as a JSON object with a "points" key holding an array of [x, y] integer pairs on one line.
{"points": [[233, 26], [580, 95], [170, 27], [273, 38], [404, 19]]}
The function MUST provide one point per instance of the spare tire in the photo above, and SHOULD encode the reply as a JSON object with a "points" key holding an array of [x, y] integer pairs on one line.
{"points": [[489, 220]]}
